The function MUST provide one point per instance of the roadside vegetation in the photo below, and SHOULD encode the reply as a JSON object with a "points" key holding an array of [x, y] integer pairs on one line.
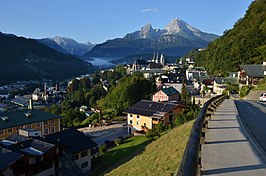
{"points": [[244, 91], [262, 85], [161, 157]]}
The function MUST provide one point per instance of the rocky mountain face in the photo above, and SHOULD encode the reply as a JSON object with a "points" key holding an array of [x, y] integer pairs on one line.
{"points": [[176, 39], [67, 45]]}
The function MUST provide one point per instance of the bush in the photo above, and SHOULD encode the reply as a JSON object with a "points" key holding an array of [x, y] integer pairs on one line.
{"points": [[244, 91], [103, 149], [261, 81], [179, 120], [151, 134], [160, 127], [118, 141]]}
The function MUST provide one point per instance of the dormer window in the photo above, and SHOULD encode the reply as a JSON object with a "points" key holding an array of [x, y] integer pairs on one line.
{"points": [[28, 114], [5, 118]]}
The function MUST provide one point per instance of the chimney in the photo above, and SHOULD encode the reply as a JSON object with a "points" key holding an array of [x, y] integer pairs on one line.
{"points": [[30, 104], [264, 63]]}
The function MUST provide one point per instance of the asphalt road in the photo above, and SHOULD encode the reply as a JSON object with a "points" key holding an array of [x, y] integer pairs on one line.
{"points": [[112, 136], [253, 114]]}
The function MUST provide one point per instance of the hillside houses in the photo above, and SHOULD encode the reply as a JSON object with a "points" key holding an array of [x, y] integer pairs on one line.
{"points": [[146, 114], [166, 94], [251, 74], [66, 152], [170, 80], [11, 122]]}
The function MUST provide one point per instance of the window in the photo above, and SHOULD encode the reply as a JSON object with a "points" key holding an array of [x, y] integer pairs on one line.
{"points": [[137, 116], [27, 126], [83, 154], [130, 122], [137, 123], [1, 131], [46, 123], [52, 121], [10, 130], [144, 124], [75, 157], [46, 131], [130, 115], [171, 118], [52, 129], [85, 164]]}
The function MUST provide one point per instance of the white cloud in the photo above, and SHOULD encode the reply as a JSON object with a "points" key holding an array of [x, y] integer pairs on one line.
{"points": [[149, 10]]}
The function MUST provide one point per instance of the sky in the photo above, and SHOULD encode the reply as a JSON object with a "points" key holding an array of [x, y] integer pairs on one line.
{"points": [[99, 20]]}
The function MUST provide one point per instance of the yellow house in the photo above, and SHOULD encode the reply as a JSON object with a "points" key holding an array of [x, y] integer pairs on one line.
{"points": [[145, 114], [11, 122]]}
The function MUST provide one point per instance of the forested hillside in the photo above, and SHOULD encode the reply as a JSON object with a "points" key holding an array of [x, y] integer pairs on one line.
{"points": [[244, 44], [26, 59]]}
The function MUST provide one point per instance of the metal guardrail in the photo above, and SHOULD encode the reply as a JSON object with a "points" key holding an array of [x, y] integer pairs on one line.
{"points": [[191, 160]]}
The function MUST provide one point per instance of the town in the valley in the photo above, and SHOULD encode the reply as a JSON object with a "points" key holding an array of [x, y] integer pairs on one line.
{"points": [[29, 132]]}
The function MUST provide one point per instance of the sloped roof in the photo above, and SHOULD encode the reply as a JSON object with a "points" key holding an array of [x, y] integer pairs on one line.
{"points": [[73, 140], [202, 78], [7, 157], [254, 70], [220, 80], [28, 146], [22, 101], [18, 118], [170, 91], [150, 108], [140, 62], [153, 65]]}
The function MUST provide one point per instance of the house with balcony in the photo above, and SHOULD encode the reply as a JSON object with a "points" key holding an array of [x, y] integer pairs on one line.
{"points": [[251, 74], [145, 114]]}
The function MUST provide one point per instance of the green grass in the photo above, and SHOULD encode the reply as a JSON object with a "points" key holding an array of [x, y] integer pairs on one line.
{"points": [[161, 157], [118, 155], [261, 87]]}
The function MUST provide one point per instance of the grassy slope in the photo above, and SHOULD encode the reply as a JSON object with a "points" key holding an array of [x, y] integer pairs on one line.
{"points": [[116, 155], [161, 157]]}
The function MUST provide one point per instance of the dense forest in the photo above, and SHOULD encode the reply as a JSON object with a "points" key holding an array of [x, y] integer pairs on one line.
{"points": [[27, 59], [244, 44]]}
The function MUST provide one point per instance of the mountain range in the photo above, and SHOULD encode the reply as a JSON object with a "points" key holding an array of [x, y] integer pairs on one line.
{"points": [[27, 59], [176, 39], [67, 45]]}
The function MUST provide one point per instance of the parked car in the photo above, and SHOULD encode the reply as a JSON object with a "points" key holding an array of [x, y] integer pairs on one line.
{"points": [[263, 97]]}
